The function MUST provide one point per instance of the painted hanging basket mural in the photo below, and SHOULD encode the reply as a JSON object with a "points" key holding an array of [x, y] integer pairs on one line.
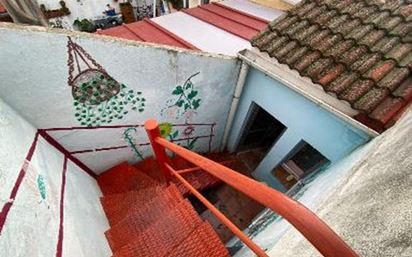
{"points": [[94, 87], [98, 97]]}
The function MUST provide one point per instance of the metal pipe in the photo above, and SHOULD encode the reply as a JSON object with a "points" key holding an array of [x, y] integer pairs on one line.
{"points": [[197, 168], [235, 102], [154, 8], [220, 216], [153, 132]]}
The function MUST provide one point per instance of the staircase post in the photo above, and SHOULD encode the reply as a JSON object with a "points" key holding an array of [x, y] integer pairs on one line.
{"points": [[153, 132]]}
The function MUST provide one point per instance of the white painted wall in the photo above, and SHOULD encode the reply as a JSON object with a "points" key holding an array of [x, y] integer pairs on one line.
{"points": [[80, 9], [43, 97], [257, 10], [85, 9], [32, 225], [203, 35]]}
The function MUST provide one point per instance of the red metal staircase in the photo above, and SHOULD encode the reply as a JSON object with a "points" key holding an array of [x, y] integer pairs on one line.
{"points": [[147, 217]]}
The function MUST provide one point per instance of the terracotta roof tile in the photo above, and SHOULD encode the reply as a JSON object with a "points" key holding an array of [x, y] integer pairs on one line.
{"points": [[405, 89], [371, 99], [359, 50]]}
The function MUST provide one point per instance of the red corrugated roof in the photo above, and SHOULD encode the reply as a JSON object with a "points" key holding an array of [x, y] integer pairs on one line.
{"points": [[233, 21], [147, 31], [2, 8]]}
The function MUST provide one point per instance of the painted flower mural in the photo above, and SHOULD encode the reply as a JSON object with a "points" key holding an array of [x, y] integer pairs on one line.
{"points": [[185, 101], [184, 104], [98, 97]]}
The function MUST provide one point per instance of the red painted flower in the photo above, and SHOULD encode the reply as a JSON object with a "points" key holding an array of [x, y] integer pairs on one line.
{"points": [[188, 131]]}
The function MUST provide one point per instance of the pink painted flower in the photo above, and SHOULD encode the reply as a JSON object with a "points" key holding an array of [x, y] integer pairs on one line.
{"points": [[189, 130], [189, 115], [171, 112]]}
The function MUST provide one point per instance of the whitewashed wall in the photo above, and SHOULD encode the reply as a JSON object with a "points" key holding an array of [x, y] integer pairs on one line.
{"points": [[34, 75], [85, 9], [79, 9], [32, 225]]}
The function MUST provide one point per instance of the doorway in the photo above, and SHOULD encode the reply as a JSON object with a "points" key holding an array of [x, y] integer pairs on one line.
{"points": [[261, 130]]}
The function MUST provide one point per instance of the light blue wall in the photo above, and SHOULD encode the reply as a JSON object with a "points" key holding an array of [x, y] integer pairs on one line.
{"points": [[304, 120]]}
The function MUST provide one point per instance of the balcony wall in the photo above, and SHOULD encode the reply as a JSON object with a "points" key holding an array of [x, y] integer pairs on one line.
{"points": [[31, 205], [35, 73]]}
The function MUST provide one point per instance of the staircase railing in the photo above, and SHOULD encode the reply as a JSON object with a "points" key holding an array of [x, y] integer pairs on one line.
{"points": [[320, 235]]}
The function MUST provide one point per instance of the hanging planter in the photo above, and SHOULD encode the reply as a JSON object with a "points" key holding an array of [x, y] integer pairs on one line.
{"points": [[98, 97]]}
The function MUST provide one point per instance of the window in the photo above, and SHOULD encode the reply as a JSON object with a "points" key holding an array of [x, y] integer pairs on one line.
{"points": [[305, 160]]}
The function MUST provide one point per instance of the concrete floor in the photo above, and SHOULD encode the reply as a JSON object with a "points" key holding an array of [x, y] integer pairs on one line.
{"points": [[240, 209]]}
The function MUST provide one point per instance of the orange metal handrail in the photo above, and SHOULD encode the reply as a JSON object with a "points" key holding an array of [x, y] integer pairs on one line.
{"points": [[219, 215], [188, 170], [320, 235]]}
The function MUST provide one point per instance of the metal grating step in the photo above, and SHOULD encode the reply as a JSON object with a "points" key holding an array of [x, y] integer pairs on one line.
{"points": [[162, 236]]}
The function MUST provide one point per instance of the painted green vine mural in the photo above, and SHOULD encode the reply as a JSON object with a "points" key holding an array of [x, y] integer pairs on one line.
{"points": [[98, 97], [114, 108], [184, 104], [41, 186], [185, 100], [131, 141]]}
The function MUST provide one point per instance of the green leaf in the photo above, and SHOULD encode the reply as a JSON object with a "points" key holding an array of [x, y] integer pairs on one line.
{"points": [[134, 108], [192, 95], [196, 103], [141, 110], [192, 144], [188, 85], [175, 134], [178, 90], [187, 106], [180, 103]]}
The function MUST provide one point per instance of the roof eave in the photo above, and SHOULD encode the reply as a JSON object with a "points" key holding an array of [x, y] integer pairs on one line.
{"points": [[304, 87]]}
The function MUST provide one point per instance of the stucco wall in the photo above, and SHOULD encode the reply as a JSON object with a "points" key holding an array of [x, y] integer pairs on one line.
{"points": [[31, 227], [34, 73], [304, 120]]}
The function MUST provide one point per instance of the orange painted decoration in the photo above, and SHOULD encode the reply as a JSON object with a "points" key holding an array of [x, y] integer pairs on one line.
{"points": [[320, 235]]}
